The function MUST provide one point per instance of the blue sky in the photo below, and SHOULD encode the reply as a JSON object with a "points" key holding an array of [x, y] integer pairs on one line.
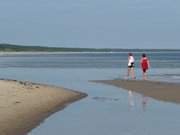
{"points": [[91, 23]]}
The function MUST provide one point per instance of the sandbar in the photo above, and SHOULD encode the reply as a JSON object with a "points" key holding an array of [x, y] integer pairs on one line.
{"points": [[164, 91], [24, 105]]}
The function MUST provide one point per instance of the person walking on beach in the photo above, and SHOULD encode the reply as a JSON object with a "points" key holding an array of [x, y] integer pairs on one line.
{"points": [[131, 61], [145, 64]]}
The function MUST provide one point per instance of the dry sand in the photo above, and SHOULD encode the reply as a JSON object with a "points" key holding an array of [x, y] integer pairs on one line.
{"points": [[24, 105], [158, 90]]}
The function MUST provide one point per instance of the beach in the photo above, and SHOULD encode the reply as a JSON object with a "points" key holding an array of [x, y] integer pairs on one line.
{"points": [[107, 106], [24, 105], [159, 90]]}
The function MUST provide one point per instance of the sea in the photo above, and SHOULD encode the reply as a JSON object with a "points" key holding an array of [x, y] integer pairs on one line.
{"points": [[107, 110]]}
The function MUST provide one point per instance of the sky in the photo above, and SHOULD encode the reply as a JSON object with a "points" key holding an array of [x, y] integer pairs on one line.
{"points": [[91, 23]]}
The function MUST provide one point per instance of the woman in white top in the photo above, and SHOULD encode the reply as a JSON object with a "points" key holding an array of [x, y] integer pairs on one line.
{"points": [[131, 66]]}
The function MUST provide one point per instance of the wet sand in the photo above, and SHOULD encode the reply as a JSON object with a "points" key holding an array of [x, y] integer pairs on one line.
{"points": [[164, 91], [24, 105]]}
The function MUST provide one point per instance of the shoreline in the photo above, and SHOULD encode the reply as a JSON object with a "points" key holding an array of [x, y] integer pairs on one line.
{"points": [[24, 105], [3, 53], [163, 91]]}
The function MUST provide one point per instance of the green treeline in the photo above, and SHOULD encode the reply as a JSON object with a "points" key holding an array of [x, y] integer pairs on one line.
{"points": [[20, 48]]}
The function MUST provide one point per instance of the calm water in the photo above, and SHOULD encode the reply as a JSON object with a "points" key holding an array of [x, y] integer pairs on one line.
{"points": [[87, 60], [107, 110]]}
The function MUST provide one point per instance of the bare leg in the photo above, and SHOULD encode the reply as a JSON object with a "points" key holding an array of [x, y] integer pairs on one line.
{"points": [[144, 76], [132, 73], [128, 72]]}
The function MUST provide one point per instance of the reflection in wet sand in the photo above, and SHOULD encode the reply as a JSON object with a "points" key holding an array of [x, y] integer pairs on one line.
{"points": [[130, 99], [144, 102]]}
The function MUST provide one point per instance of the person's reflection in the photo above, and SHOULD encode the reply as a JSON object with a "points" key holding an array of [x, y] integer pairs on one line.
{"points": [[144, 102], [130, 99]]}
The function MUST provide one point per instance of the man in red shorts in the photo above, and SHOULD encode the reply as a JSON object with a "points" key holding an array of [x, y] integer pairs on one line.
{"points": [[145, 64]]}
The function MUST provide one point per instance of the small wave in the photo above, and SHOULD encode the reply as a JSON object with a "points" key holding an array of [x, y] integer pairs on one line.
{"points": [[176, 77]]}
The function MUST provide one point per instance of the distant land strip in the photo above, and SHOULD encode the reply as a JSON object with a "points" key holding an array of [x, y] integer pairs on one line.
{"points": [[22, 48]]}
